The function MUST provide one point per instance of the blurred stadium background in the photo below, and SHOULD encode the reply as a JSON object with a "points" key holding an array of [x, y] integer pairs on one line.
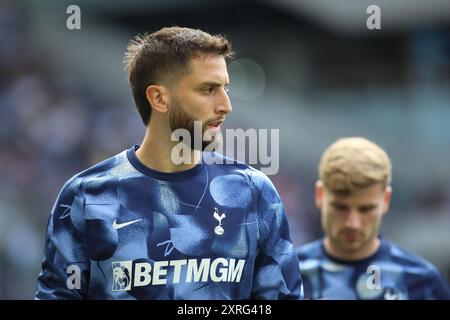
{"points": [[308, 67]]}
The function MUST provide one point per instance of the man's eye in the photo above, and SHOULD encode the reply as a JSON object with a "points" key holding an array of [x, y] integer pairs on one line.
{"points": [[208, 89], [365, 209], [227, 89], [339, 207]]}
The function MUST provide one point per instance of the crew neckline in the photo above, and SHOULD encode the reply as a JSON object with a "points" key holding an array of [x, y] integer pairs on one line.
{"points": [[381, 249], [173, 176]]}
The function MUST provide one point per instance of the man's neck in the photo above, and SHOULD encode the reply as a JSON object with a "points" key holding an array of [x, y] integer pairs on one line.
{"points": [[361, 254], [155, 152]]}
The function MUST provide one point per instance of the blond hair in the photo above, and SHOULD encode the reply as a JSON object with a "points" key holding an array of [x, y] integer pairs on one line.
{"points": [[352, 164]]}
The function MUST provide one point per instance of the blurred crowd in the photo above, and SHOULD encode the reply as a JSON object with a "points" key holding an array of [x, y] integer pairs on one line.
{"points": [[53, 125]]}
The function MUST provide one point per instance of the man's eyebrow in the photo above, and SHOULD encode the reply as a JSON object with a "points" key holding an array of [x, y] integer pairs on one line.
{"points": [[211, 84], [337, 203], [368, 206]]}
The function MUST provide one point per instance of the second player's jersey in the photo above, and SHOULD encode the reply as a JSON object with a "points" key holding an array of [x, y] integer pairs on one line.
{"points": [[120, 230], [391, 273]]}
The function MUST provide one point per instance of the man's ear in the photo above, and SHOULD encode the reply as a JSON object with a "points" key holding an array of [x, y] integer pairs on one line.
{"points": [[387, 198], [158, 97], [319, 194]]}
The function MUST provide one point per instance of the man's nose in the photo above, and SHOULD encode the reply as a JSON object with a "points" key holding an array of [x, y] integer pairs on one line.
{"points": [[353, 220], [224, 104]]}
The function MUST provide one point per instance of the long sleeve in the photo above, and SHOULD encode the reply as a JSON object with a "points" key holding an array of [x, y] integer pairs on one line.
{"points": [[277, 275], [65, 268]]}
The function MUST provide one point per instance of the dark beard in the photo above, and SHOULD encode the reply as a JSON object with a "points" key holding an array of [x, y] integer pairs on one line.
{"points": [[180, 119]]}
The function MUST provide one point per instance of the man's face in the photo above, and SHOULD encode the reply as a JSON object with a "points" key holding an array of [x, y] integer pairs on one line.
{"points": [[351, 222], [202, 96]]}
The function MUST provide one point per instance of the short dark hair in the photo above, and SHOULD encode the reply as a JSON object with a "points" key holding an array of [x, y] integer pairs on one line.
{"points": [[162, 56]]}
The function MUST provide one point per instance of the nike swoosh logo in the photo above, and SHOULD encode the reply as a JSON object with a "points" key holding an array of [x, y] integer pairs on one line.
{"points": [[118, 226]]}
